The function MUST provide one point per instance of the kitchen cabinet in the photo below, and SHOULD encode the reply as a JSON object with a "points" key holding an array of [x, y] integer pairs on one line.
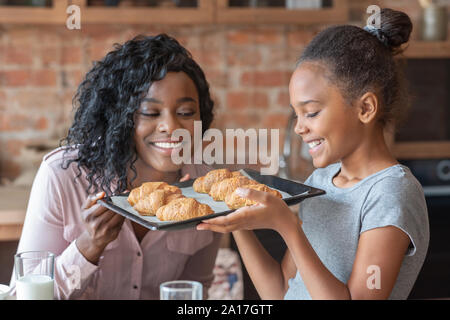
{"points": [[91, 12], [206, 11], [55, 13], [337, 12]]}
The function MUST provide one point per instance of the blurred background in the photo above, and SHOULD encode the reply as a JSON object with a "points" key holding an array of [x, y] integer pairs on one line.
{"points": [[248, 49]]}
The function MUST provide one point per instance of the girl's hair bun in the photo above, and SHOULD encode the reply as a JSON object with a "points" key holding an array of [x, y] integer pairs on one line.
{"points": [[396, 27]]}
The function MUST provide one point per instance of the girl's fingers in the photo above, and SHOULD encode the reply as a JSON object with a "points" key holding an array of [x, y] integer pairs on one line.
{"points": [[218, 228], [255, 195]]}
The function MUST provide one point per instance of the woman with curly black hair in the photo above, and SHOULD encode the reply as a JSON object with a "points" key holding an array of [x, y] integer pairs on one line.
{"points": [[128, 106]]}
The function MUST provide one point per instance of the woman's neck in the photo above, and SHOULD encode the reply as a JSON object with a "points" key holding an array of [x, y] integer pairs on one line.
{"points": [[370, 157]]}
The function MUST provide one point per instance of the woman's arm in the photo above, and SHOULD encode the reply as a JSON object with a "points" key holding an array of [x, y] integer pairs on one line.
{"points": [[44, 230]]}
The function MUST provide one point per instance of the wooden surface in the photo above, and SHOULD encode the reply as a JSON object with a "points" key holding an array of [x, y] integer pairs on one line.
{"points": [[422, 150], [13, 205]]}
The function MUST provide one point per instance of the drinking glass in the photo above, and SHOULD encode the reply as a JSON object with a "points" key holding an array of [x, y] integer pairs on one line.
{"points": [[181, 290], [34, 275]]}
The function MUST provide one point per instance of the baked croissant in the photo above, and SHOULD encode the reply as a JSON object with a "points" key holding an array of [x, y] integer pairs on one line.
{"points": [[183, 209], [148, 187], [220, 189], [150, 204], [203, 184], [233, 201]]}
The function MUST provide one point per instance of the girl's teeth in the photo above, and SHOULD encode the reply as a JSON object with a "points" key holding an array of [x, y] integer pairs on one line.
{"points": [[168, 145], [315, 143]]}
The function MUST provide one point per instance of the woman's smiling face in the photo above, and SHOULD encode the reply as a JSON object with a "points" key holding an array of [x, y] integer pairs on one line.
{"points": [[329, 126], [171, 103]]}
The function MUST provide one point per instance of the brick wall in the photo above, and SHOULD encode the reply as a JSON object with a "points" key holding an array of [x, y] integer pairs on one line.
{"points": [[248, 68]]}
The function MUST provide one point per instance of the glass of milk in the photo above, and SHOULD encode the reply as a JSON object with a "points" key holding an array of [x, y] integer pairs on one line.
{"points": [[181, 290], [34, 275]]}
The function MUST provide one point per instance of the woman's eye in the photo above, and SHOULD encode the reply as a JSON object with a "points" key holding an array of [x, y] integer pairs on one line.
{"points": [[187, 113], [149, 114], [312, 114]]}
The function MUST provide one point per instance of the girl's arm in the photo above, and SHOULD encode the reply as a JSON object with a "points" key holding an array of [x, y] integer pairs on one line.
{"points": [[383, 248], [380, 254]]}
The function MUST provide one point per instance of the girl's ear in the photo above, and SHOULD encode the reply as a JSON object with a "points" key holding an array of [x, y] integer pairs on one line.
{"points": [[367, 107]]}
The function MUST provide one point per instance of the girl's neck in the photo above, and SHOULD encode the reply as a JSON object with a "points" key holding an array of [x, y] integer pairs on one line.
{"points": [[371, 156]]}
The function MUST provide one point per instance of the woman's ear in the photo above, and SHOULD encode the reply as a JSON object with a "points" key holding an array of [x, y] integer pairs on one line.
{"points": [[367, 107]]}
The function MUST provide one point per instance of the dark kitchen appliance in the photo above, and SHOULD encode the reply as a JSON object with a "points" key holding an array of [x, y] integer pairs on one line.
{"points": [[433, 281]]}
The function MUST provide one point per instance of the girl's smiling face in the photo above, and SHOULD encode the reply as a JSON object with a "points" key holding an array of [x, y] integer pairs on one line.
{"points": [[325, 121], [171, 103]]}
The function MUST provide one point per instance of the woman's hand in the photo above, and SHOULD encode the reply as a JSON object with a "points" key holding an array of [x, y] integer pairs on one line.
{"points": [[185, 178], [102, 226], [270, 213]]}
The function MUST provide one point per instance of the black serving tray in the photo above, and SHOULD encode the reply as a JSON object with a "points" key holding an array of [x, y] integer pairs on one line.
{"points": [[293, 193]]}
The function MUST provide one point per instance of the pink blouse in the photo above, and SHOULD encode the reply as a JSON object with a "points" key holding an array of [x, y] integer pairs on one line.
{"points": [[127, 269]]}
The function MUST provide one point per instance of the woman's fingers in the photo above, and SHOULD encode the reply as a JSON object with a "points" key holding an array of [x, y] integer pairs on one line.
{"points": [[92, 199], [185, 178]]}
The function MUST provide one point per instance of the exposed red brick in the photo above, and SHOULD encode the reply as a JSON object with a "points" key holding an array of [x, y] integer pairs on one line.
{"points": [[18, 55], [41, 124], [15, 78], [71, 55], [43, 78], [272, 78], [244, 99]]}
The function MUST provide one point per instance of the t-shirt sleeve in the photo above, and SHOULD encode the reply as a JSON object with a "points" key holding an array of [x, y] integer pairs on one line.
{"points": [[398, 202]]}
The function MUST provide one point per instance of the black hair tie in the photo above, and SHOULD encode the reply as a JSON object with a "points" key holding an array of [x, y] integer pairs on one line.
{"points": [[377, 33]]}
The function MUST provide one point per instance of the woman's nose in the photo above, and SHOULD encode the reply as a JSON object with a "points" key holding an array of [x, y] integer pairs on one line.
{"points": [[168, 123]]}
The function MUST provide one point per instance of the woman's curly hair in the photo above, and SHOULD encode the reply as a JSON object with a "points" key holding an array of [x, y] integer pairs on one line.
{"points": [[107, 99]]}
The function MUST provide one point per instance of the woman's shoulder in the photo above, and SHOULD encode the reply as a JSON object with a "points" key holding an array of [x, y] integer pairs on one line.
{"points": [[60, 154]]}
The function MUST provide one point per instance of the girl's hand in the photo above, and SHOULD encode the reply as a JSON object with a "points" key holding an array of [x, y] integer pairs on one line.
{"points": [[270, 213], [102, 226]]}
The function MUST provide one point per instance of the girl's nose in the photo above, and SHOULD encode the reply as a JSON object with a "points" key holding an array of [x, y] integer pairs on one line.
{"points": [[300, 127], [168, 123]]}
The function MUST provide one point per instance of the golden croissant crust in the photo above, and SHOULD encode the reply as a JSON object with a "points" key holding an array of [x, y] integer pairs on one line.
{"points": [[147, 188], [220, 189], [183, 209], [233, 201], [151, 203], [203, 184]]}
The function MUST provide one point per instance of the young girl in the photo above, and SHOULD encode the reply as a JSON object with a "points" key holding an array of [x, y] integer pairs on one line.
{"points": [[367, 237], [128, 106]]}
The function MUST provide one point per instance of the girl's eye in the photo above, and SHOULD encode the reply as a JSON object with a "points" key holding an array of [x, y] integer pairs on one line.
{"points": [[312, 115]]}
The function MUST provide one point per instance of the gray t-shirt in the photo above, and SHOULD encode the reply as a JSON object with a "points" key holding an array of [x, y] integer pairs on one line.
{"points": [[333, 222]]}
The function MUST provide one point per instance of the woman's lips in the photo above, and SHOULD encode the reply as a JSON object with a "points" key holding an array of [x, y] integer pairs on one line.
{"points": [[166, 147]]}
